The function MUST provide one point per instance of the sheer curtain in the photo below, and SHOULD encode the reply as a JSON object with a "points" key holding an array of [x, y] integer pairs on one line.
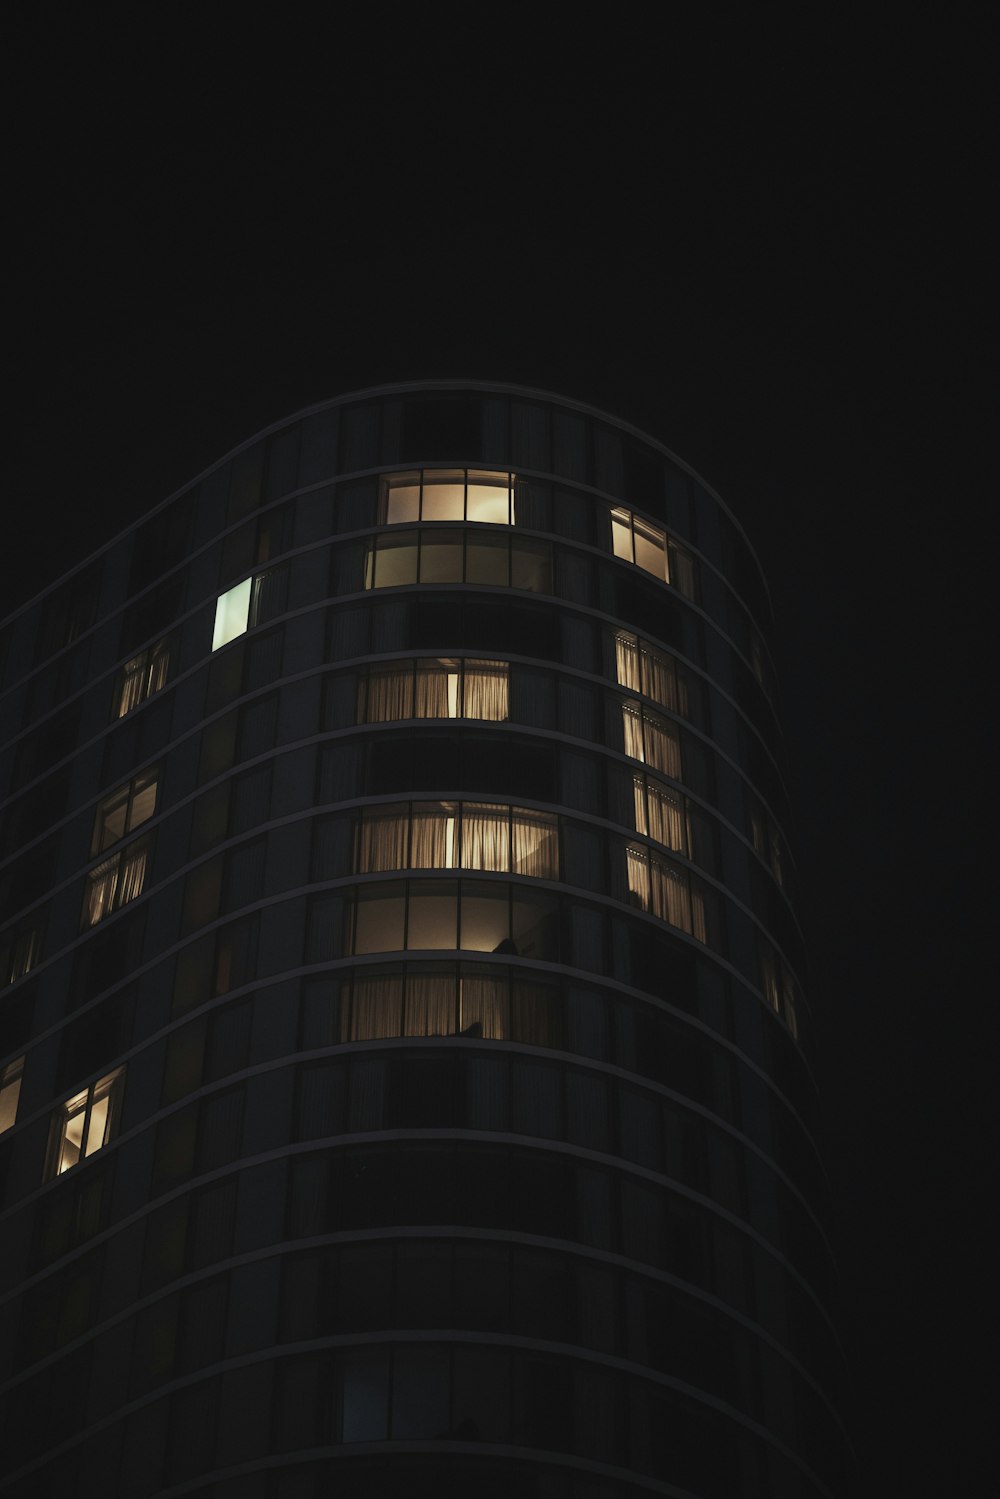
{"points": [[390, 694], [432, 690], [101, 890], [637, 867], [483, 1003], [663, 749], [485, 836], [485, 690], [658, 679], [430, 1004], [632, 728], [536, 845], [627, 661], [670, 898], [434, 839], [666, 817], [376, 1007], [382, 840]]}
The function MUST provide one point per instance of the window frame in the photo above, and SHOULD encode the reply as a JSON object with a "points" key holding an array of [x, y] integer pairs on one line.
{"points": [[425, 479], [131, 791], [150, 668], [110, 1086], [11, 1077], [115, 866]]}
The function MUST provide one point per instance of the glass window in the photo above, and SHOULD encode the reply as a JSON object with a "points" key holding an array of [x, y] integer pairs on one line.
{"points": [[380, 916], [433, 916], [10, 1092], [666, 891], [86, 1122], [232, 614], [142, 676], [634, 539], [435, 688], [393, 563], [124, 810], [115, 881], [621, 534], [363, 1395], [448, 835], [19, 954], [660, 813], [484, 496], [651, 739]]}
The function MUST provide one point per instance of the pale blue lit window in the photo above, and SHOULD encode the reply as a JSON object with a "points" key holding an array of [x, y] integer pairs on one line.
{"points": [[232, 614]]}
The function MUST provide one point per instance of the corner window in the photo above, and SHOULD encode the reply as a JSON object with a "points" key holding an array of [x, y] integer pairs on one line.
{"points": [[124, 810], [115, 881], [86, 1122], [485, 496], [636, 540], [10, 1091], [142, 676], [435, 688]]}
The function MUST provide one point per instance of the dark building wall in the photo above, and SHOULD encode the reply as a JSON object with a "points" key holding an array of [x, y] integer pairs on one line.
{"points": [[417, 977]]}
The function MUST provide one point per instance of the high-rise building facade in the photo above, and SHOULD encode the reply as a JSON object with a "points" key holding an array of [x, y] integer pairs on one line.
{"points": [[404, 1075]]}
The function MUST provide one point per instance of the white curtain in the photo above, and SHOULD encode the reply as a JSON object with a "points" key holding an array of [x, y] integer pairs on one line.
{"points": [[376, 1008], [382, 840], [486, 690], [430, 1005], [485, 836], [390, 694], [666, 817], [699, 926], [483, 1003], [432, 692], [627, 661], [637, 866], [658, 679], [632, 727], [670, 899], [133, 874], [133, 680], [101, 890], [434, 842], [536, 844], [663, 750], [639, 797]]}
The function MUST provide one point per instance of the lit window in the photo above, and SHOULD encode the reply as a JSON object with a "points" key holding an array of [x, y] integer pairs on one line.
{"points": [[232, 614], [10, 1091], [19, 954], [651, 739], [397, 559], [142, 676], [86, 1122], [642, 668], [481, 495], [115, 881], [666, 890], [124, 810], [636, 540], [453, 835], [434, 688], [660, 814]]}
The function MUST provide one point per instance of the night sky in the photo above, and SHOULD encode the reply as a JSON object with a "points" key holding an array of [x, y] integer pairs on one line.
{"points": [[766, 246]]}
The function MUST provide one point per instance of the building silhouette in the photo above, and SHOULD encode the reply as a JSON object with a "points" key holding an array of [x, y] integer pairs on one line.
{"points": [[405, 1075]]}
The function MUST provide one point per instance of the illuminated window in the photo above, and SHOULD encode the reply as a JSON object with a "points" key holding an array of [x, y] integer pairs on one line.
{"points": [[431, 915], [86, 1122], [666, 890], [642, 668], [19, 953], [115, 881], [660, 813], [10, 1091], [481, 495], [124, 810], [638, 541], [436, 688], [142, 676], [239, 609], [458, 835], [651, 739]]}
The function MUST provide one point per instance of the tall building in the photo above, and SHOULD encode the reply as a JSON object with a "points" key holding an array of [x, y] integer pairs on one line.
{"points": [[405, 1076]]}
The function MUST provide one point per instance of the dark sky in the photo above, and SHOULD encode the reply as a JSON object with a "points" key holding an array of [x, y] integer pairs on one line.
{"points": [[762, 242]]}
